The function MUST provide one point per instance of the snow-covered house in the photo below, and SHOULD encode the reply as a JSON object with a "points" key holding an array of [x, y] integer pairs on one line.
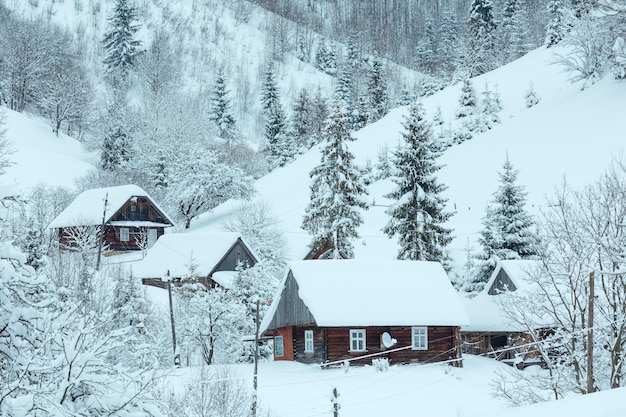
{"points": [[212, 258], [132, 219], [492, 331], [328, 311]]}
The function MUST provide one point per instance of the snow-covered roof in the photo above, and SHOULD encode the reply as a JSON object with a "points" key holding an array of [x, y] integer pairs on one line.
{"points": [[487, 313], [87, 207], [374, 293], [173, 252]]}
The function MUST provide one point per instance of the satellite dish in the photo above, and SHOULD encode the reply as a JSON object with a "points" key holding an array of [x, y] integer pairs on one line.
{"points": [[388, 341]]}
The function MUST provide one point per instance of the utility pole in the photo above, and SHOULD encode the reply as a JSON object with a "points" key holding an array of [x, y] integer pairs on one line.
{"points": [[590, 377], [168, 280], [256, 361], [101, 234]]}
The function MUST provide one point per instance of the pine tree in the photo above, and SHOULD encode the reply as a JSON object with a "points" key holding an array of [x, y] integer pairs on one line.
{"points": [[301, 119], [274, 116], [557, 26], [337, 193], [302, 49], [326, 58], [426, 49], [490, 106], [220, 108], [269, 91], [122, 48], [115, 149], [507, 229], [418, 213], [482, 26], [377, 91], [531, 97], [467, 112]]}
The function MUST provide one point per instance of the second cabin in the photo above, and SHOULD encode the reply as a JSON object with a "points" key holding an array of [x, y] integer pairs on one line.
{"points": [[329, 311]]}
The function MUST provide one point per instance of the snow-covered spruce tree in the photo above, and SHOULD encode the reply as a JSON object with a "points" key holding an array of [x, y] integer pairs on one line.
{"points": [[514, 36], [383, 163], [490, 107], [377, 91], [122, 49], [508, 230], [319, 114], [531, 97], [300, 121], [558, 25], [417, 215], [482, 26], [337, 193], [221, 109], [274, 118], [343, 89], [302, 48], [467, 112], [426, 49]]}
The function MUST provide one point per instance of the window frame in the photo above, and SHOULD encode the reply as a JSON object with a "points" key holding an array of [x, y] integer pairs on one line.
{"points": [[282, 346], [356, 336], [124, 234], [419, 341], [309, 341]]}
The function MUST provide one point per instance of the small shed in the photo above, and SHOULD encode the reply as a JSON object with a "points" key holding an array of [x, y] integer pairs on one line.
{"points": [[329, 311], [491, 331], [132, 219], [212, 258]]}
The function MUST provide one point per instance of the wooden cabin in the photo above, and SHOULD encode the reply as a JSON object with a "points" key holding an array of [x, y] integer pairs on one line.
{"points": [[211, 258], [132, 220], [491, 331], [329, 311]]}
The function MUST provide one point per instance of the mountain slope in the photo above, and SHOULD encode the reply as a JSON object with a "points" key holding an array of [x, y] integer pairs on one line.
{"points": [[570, 133]]}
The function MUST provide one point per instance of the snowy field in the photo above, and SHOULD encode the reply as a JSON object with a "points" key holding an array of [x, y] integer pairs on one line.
{"points": [[297, 390]]}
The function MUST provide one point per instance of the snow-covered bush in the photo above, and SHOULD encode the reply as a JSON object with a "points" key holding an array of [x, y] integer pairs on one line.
{"points": [[381, 364], [531, 97]]}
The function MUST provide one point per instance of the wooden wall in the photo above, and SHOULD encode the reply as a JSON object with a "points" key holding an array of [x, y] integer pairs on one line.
{"points": [[333, 344]]}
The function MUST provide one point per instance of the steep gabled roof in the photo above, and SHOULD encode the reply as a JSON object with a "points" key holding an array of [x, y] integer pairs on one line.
{"points": [[487, 311], [173, 252], [88, 206], [373, 293]]}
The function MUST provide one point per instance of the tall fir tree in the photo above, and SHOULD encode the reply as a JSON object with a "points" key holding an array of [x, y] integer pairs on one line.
{"points": [[418, 214], [482, 26], [301, 119], [122, 49], [274, 117], [377, 91], [557, 26], [508, 230], [337, 193], [221, 110]]}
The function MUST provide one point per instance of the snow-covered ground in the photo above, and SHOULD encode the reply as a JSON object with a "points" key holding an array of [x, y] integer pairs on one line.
{"points": [[298, 390]]}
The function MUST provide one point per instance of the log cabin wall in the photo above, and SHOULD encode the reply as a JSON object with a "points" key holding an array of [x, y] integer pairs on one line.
{"points": [[333, 344], [112, 237]]}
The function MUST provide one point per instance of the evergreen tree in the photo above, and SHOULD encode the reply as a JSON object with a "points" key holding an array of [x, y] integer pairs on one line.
{"points": [[274, 117], [418, 213], [557, 26], [220, 108], [468, 111], [319, 115], [122, 48], [326, 58], [490, 106], [301, 119], [507, 229], [377, 91], [115, 149], [531, 97], [514, 36], [426, 49], [481, 35], [302, 48], [337, 193], [270, 96]]}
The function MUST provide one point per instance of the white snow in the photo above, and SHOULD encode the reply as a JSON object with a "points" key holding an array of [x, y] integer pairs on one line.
{"points": [[175, 252], [376, 293]]}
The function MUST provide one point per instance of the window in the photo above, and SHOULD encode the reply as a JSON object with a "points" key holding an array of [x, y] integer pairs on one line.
{"points": [[124, 234], [308, 341], [357, 340], [279, 349], [419, 338]]}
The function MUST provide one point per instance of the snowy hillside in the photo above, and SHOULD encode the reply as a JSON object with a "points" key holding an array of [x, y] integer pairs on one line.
{"points": [[42, 157], [572, 134]]}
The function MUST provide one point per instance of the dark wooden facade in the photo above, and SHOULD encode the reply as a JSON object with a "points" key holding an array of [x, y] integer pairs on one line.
{"points": [[237, 254], [332, 344], [501, 284], [513, 348], [138, 215]]}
